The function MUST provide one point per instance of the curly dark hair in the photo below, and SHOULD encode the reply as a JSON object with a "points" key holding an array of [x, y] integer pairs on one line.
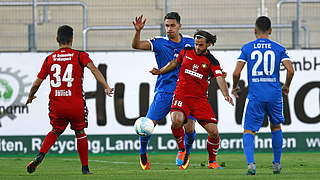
{"points": [[204, 34]]}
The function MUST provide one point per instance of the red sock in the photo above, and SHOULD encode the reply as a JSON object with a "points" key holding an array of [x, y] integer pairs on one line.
{"points": [[82, 145], [178, 134], [213, 147], [48, 142]]}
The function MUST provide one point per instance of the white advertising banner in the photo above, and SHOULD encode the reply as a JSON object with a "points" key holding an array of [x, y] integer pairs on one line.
{"points": [[129, 73]]}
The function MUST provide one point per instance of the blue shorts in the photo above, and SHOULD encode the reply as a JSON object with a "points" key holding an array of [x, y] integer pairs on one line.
{"points": [[161, 106], [255, 111]]}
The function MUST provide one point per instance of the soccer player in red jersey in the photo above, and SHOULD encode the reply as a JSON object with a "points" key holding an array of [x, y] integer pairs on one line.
{"points": [[190, 97], [67, 102]]}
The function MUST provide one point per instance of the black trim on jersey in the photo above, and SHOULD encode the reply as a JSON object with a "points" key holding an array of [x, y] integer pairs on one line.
{"points": [[83, 93], [185, 51], [212, 59]]}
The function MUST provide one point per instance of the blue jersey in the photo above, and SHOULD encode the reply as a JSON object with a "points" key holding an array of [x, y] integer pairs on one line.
{"points": [[263, 58], [166, 50]]}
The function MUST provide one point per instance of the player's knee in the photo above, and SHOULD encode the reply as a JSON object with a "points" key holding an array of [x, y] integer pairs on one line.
{"points": [[177, 118], [275, 127], [189, 126]]}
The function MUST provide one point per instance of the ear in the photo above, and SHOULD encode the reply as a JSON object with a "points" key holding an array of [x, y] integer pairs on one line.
{"points": [[255, 30], [179, 26], [270, 31], [57, 39]]}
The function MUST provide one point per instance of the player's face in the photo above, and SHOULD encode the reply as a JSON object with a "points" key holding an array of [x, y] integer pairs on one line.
{"points": [[201, 46], [172, 28]]}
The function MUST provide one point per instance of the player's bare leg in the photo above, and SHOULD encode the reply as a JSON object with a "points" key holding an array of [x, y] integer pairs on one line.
{"points": [[213, 145], [82, 146], [177, 119]]}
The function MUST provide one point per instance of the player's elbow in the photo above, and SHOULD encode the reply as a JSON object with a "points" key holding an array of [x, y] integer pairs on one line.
{"points": [[236, 74]]}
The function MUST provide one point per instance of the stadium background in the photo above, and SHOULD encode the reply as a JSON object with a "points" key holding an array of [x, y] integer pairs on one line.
{"points": [[23, 128]]}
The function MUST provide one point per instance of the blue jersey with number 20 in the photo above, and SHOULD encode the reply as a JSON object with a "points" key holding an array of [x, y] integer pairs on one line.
{"points": [[263, 58]]}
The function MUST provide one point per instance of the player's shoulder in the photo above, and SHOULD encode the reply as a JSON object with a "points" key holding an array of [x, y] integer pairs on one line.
{"points": [[277, 45], [213, 60], [188, 48], [159, 38]]}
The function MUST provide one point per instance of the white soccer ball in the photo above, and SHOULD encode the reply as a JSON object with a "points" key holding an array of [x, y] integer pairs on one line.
{"points": [[144, 126]]}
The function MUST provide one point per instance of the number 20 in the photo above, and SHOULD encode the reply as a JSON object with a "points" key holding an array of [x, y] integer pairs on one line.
{"points": [[265, 57]]}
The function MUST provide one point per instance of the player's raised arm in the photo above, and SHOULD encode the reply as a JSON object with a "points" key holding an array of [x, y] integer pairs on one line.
{"points": [[167, 68], [290, 72], [136, 42], [35, 86], [236, 77], [99, 77]]}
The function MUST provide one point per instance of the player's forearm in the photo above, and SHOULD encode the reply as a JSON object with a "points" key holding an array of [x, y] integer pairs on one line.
{"points": [[35, 86], [99, 77], [136, 40], [223, 85], [169, 67], [235, 79], [289, 78]]}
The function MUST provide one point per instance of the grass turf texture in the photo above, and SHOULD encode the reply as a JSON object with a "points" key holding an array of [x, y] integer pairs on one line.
{"points": [[126, 166]]}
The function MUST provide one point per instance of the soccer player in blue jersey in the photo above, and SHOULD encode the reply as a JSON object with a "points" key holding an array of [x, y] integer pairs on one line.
{"points": [[263, 58], [165, 48]]}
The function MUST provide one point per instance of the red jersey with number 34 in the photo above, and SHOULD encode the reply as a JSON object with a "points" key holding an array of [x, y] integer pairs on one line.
{"points": [[65, 68], [194, 73]]}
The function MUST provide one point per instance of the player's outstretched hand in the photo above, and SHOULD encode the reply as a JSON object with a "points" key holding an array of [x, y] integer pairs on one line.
{"points": [[229, 99], [155, 71], [139, 23], [29, 100], [235, 92], [109, 91], [285, 90]]}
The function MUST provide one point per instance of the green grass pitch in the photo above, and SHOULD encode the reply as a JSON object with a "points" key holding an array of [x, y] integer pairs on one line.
{"points": [[126, 166]]}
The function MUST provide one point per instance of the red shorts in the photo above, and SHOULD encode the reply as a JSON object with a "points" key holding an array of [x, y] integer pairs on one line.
{"points": [[199, 108], [76, 116]]}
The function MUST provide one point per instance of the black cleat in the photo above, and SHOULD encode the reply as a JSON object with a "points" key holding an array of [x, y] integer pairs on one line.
{"points": [[32, 166], [85, 170]]}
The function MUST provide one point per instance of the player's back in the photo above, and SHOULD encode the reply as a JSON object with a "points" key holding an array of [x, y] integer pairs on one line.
{"points": [[263, 58], [166, 50], [65, 68]]}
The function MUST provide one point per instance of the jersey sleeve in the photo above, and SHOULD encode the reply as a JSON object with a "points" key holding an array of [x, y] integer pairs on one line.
{"points": [[155, 43], [243, 57], [44, 70], [180, 56], [216, 69], [283, 55], [84, 58]]}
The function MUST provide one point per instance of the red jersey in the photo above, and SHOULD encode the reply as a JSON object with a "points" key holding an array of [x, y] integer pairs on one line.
{"points": [[65, 68], [194, 73]]}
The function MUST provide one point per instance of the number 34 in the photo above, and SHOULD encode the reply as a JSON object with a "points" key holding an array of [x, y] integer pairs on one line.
{"points": [[67, 76]]}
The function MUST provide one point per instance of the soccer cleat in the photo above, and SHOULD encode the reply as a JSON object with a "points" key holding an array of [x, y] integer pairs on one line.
{"points": [[251, 169], [85, 170], [180, 157], [32, 166], [276, 168], [214, 165], [144, 161], [186, 162]]}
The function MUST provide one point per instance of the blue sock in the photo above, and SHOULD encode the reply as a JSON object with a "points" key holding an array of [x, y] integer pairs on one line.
{"points": [[277, 140], [188, 141], [144, 143], [248, 147]]}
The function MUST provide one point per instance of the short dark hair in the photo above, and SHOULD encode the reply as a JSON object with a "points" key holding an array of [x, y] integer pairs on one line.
{"points": [[64, 34], [173, 15], [204, 34], [263, 24]]}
